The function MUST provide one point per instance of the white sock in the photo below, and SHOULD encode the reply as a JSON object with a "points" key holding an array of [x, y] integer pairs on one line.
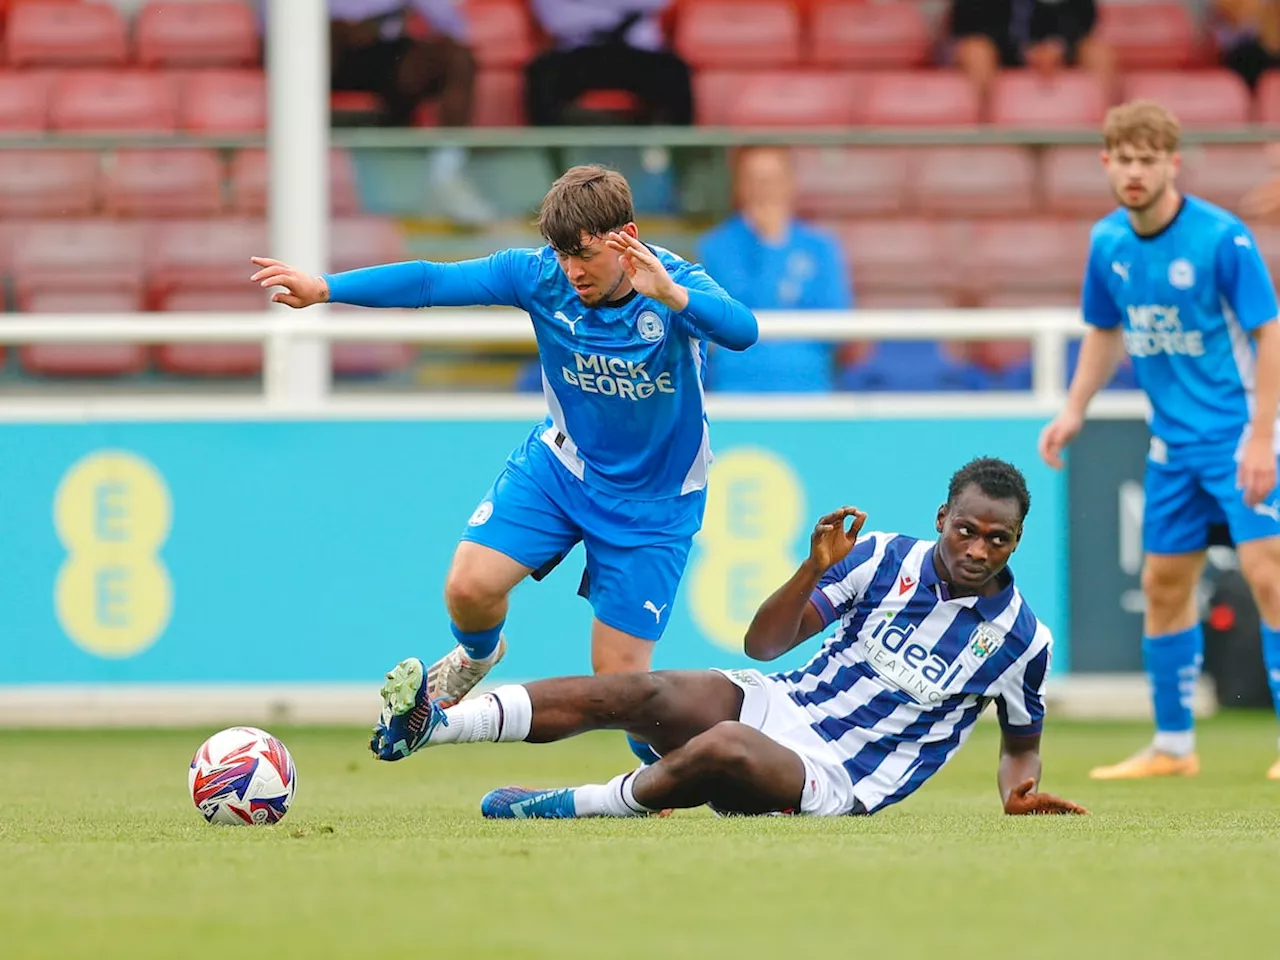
{"points": [[447, 163], [613, 799], [504, 714], [1178, 744]]}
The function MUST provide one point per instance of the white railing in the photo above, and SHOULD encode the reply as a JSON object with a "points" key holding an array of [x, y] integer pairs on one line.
{"points": [[283, 331]]}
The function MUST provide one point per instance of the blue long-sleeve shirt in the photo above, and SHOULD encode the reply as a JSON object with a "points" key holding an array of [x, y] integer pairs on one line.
{"points": [[804, 272], [623, 381]]}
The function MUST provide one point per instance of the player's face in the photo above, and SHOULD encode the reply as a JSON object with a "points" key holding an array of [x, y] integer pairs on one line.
{"points": [[1140, 175], [977, 535], [595, 272]]}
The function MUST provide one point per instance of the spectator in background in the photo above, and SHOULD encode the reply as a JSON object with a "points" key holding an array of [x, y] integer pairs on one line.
{"points": [[769, 260], [606, 45], [1247, 34], [372, 48], [1045, 35]]}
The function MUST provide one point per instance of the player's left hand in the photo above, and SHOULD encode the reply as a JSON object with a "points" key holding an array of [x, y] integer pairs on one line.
{"points": [[645, 271], [1256, 475], [1024, 802]]}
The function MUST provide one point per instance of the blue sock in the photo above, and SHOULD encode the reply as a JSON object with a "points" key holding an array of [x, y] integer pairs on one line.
{"points": [[479, 644], [1271, 657], [642, 750], [1173, 666]]}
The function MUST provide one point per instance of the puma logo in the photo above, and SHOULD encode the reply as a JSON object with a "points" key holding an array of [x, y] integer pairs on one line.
{"points": [[656, 611], [571, 324]]}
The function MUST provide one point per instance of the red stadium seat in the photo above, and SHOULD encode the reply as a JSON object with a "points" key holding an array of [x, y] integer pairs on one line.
{"points": [[213, 359], [975, 181], [119, 103], [349, 359], [77, 255], [208, 33], [1073, 98], [753, 34], [1223, 173], [925, 98], [1268, 97], [1028, 255], [850, 33], [906, 300], [1074, 182], [48, 183], [24, 101], [498, 99], [499, 33], [65, 34], [361, 241], [921, 256], [202, 254], [795, 99], [1148, 36], [163, 183], [249, 183], [1202, 98], [714, 92], [852, 181], [83, 359], [1267, 236], [224, 101]]}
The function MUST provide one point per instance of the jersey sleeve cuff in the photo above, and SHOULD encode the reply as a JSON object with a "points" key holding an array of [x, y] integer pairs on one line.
{"points": [[1029, 730], [824, 607]]}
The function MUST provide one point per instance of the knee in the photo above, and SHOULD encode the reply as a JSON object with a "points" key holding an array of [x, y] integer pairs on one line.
{"points": [[1262, 572], [721, 751], [466, 592], [1165, 590], [977, 56]]}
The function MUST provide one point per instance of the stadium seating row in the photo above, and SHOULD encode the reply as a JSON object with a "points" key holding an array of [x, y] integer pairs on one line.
{"points": [[177, 182], [224, 101], [707, 33]]}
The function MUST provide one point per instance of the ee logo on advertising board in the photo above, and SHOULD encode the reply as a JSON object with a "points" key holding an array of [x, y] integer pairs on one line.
{"points": [[755, 510], [112, 513]]}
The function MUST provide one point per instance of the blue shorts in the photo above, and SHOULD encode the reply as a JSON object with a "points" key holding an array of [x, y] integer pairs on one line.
{"points": [[536, 511], [1190, 490]]}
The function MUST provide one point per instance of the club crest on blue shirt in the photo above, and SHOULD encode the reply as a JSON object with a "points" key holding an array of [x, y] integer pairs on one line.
{"points": [[985, 640], [1182, 274], [650, 327]]}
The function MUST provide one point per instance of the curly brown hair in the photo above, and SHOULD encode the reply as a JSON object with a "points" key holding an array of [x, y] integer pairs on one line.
{"points": [[588, 199]]}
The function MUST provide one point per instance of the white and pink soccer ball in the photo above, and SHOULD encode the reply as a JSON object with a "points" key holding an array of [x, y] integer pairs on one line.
{"points": [[242, 776]]}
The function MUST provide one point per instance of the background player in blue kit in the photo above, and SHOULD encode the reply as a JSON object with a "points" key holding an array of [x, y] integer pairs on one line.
{"points": [[1179, 284], [621, 461], [928, 635]]}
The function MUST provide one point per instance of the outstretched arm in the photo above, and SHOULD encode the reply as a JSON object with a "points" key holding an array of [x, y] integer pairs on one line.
{"points": [[789, 616], [411, 284], [1020, 775]]}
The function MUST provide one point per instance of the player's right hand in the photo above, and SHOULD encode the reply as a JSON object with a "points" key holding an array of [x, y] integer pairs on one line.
{"points": [[1056, 435], [831, 542], [300, 289]]}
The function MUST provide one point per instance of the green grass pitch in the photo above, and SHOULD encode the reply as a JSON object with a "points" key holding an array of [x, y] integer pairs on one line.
{"points": [[102, 855]]}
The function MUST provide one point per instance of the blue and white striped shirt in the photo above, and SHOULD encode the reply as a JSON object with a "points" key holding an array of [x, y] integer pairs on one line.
{"points": [[896, 691]]}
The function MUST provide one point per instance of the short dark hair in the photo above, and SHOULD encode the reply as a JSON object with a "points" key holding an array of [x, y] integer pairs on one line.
{"points": [[587, 199], [996, 478]]}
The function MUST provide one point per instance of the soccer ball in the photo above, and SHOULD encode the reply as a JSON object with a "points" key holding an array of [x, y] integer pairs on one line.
{"points": [[242, 775]]}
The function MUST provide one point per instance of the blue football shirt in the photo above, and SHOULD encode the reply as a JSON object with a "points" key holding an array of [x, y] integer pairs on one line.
{"points": [[1188, 298]]}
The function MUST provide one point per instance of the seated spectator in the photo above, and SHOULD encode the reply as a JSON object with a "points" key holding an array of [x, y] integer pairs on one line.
{"points": [[769, 260], [606, 45], [371, 48], [1247, 34], [1045, 35]]}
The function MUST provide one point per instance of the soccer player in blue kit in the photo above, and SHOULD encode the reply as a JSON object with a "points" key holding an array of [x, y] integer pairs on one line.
{"points": [[1179, 284], [621, 461]]}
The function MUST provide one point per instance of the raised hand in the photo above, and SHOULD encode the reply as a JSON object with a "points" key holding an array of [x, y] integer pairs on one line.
{"points": [[300, 289], [645, 271], [831, 542]]}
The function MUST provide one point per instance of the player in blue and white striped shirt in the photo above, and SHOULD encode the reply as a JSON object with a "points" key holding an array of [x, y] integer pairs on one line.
{"points": [[928, 634]]}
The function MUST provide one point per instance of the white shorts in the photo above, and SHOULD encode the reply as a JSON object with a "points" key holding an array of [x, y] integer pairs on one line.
{"points": [[766, 706]]}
